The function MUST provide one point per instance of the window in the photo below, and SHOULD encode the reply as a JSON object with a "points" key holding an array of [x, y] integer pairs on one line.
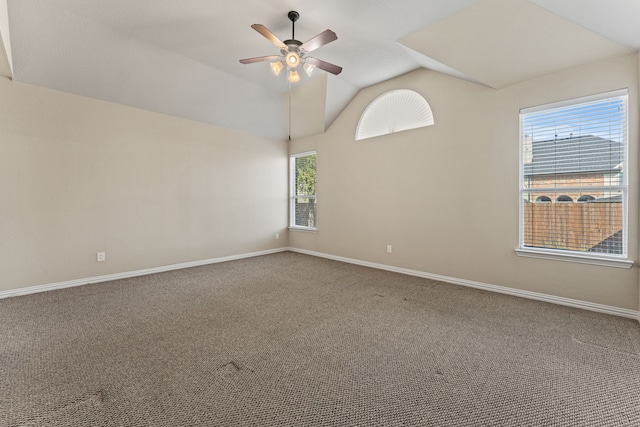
{"points": [[303, 191], [543, 199], [586, 198], [575, 150], [394, 111], [564, 198]]}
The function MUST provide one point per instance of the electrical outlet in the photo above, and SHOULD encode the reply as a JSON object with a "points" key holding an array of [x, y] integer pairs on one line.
{"points": [[277, 236], [101, 256], [389, 249]]}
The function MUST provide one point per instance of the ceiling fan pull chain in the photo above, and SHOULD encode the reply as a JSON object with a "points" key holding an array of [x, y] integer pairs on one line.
{"points": [[289, 111]]}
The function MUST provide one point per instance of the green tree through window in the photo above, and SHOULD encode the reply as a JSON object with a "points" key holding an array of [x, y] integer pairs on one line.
{"points": [[303, 194]]}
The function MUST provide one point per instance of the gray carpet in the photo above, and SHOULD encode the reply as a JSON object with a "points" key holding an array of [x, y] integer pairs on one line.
{"points": [[293, 340]]}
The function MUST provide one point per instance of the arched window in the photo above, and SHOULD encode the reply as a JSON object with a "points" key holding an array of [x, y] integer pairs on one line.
{"points": [[543, 199], [564, 199], [394, 111], [586, 198]]}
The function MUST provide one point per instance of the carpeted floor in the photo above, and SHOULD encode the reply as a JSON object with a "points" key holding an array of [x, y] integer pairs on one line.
{"points": [[293, 340]]}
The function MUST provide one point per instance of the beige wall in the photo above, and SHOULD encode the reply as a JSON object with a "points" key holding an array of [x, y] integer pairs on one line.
{"points": [[446, 196], [78, 176]]}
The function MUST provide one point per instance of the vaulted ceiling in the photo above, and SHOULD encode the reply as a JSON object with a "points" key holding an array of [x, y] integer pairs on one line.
{"points": [[181, 57]]}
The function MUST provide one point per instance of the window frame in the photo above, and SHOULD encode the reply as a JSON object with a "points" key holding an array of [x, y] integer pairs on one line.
{"points": [[610, 260], [292, 192]]}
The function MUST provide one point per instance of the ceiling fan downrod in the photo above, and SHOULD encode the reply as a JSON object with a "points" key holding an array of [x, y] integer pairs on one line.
{"points": [[293, 16]]}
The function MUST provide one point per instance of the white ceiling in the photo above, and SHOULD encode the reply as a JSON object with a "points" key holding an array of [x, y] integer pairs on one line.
{"points": [[181, 57]]}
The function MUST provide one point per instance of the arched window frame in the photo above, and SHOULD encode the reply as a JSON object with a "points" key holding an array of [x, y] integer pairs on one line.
{"points": [[564, 199], [394, 111], [585, 198]]}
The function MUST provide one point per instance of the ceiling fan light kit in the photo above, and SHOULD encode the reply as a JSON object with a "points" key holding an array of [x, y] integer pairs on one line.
{"points": [[277, 67], [292, 59], [293, 52], [293, 76], [308, 68]]}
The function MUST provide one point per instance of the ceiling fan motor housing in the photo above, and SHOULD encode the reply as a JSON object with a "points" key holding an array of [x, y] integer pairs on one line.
{"points": [[292, 45]]}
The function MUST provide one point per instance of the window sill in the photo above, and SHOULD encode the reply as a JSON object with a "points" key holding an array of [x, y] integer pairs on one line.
{"points": [[305, 229], [574, 257]]}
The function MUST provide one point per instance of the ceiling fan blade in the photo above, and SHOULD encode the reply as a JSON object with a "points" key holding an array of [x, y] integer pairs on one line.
{"points": [[325, 37], [260, 59], [323, 65], [269, 35]]}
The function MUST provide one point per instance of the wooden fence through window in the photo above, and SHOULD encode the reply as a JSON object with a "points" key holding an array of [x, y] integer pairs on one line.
{"points": [[570, 226]]}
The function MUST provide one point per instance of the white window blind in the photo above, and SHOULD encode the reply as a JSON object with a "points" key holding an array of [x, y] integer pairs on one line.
{"points": [[394, 111], [303, 191], [573, 189]]}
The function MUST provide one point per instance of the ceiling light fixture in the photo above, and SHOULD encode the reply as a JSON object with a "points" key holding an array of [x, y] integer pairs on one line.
{"points": [[293, 59], [277, 67], [308, 68], [294, 76]]}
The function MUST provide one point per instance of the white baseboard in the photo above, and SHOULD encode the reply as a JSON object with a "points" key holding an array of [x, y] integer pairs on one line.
{"points": [[128, 274], [601, 308]]}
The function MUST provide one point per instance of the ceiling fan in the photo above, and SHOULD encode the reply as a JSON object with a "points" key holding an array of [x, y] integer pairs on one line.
{"points": [[294, 53]]}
